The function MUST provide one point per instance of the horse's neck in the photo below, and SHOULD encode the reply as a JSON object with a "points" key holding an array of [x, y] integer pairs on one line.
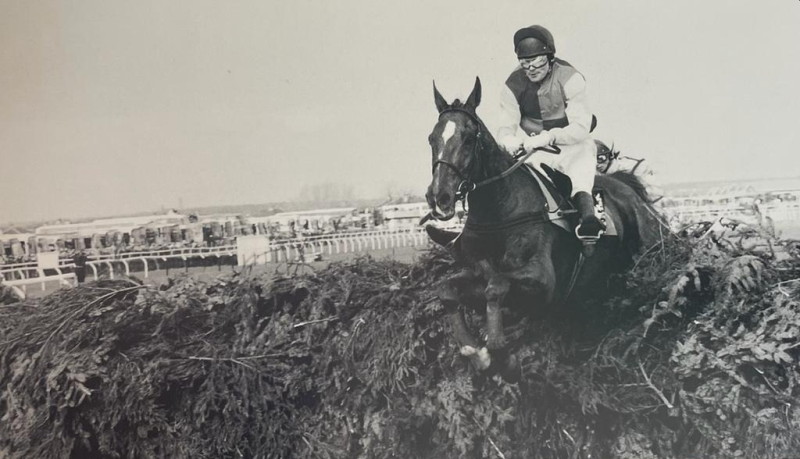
{"points": [[504, 198]]}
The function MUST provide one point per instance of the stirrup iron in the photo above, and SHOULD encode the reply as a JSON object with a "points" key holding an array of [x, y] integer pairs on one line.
{"points": [[588, 242]]}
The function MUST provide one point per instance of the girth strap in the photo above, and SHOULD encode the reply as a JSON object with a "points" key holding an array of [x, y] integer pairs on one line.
{"points": [[532, 218]]}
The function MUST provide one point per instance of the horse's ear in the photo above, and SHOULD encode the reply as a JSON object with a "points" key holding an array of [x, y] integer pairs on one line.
{"points": [[441, 104], [474, 98]]}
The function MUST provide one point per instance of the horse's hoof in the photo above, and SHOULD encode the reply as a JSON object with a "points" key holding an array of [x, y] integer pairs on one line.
{"points": [[479, 357], [484, 359]]}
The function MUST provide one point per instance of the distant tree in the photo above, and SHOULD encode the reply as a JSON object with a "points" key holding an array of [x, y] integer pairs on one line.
{"points": [[394, 192], [326, 192]]}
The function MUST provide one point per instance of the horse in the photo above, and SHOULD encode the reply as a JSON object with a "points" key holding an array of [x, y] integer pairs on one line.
{"points": [[511, 251]]}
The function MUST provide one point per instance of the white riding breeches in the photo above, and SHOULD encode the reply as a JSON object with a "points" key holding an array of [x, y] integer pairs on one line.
{"points": [[578, 161]]}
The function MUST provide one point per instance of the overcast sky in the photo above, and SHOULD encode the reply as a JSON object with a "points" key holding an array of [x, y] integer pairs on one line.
{"points": [[110, 107]]}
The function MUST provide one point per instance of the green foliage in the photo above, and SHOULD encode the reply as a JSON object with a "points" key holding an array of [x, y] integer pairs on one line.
{"points": [[695, 356]]}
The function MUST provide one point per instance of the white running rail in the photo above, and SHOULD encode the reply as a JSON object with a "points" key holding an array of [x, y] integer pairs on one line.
{"points": [[22, 274]]}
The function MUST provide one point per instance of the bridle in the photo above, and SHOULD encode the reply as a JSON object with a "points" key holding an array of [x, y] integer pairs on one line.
{"points": [[466, 185]]}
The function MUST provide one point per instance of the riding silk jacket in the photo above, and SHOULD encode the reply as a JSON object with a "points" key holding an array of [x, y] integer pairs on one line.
{"points": [[557, 104]]}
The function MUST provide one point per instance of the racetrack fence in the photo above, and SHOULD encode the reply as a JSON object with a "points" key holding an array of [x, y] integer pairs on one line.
{"points": [[19, 276]]}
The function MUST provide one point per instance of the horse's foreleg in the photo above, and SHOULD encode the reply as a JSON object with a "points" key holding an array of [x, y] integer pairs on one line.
{"points": [[495, 293], [479, 356], [461, 288]]}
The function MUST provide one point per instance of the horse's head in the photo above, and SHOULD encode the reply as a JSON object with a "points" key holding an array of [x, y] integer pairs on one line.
{"points": [[454, 144]]}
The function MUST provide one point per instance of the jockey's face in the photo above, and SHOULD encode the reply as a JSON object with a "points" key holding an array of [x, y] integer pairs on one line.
{"points": [[536, 68], [602, 162]]}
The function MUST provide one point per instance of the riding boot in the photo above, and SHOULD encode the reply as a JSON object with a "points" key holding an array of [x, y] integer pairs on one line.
{"points": [[589, 225]]}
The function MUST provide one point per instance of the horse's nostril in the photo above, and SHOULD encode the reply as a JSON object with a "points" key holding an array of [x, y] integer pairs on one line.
{"points": [[444, 199]]}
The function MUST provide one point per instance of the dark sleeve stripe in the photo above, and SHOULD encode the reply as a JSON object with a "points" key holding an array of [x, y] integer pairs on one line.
{"points": [[557, 123]]}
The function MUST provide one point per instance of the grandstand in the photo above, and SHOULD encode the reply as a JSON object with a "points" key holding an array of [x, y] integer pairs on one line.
{"points": [[746, 200]]}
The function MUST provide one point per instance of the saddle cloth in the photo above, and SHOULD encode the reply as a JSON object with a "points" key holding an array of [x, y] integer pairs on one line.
{"points": [[561, 212]]}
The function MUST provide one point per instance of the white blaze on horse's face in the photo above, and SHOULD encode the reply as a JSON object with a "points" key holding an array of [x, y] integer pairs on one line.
{"points": [[446, 145], [447, 133]]}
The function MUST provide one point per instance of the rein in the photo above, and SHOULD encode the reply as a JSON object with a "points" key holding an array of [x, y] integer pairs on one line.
{"points": [[467, 185]]}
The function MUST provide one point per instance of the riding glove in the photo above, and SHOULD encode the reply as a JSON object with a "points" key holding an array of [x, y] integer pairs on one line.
{"points": [[540, 140], [511, 143]]}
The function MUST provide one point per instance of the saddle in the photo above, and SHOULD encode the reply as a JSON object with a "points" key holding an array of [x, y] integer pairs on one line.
{"points": [[557, 188]]}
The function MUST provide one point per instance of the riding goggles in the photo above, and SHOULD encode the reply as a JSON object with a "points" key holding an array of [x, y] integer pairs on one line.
{"points": [[534, 62]]}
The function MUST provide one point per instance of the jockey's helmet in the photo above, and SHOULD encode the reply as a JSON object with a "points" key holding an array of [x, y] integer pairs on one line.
{"points": [[603, 152], [534, 41]]}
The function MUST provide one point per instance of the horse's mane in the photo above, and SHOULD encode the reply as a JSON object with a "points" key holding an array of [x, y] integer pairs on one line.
{"points": [[630, 179]]}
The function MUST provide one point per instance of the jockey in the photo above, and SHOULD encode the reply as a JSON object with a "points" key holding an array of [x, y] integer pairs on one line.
{"points": [[544, 103], [610, 161], [606, 157]]}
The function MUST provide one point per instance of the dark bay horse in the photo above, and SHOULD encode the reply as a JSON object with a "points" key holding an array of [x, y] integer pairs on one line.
{"points": [[510, 252]]}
